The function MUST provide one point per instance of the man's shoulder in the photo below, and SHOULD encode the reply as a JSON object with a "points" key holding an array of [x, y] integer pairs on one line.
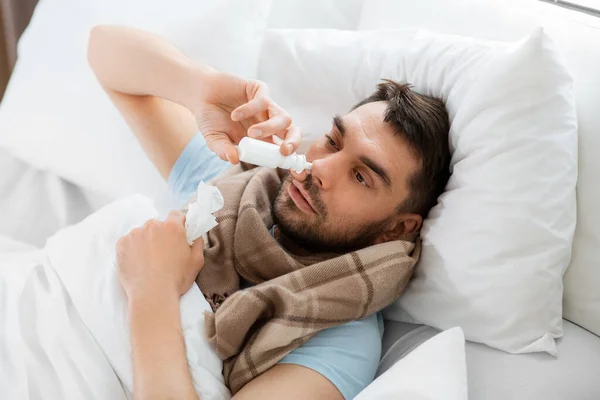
{"points": [[347, 355]]}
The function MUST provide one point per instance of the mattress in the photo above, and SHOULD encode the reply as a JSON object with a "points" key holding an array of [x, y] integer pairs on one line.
{"points": [[496, 375]]}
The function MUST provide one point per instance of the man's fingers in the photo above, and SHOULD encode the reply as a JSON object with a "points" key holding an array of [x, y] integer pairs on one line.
{"points": [[198, 244], [221, 145], [259, 93], [273, 126], [198, 249], [229, 153], [176, 217], [293, 137], [250, 109]]}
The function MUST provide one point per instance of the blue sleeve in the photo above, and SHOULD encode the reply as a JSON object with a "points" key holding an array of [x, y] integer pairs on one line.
{"points": [[347, 355], [195, 163]]}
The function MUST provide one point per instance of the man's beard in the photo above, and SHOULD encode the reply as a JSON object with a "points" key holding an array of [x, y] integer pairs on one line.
{"points": [[313, 234]]}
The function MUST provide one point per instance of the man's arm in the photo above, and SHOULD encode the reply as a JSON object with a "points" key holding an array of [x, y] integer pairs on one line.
{"points": [[290, 382], [165, 97], [148, 80], [158, 351], [156, 266], [161, 370]]}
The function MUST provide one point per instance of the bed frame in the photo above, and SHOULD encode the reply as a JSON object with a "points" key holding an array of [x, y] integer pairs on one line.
{"points": [[15, 15]]}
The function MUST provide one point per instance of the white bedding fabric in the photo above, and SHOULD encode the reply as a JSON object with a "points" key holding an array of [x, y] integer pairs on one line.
{"points": [[64, 315], [496, 375], [436, 370], [34, 204]]}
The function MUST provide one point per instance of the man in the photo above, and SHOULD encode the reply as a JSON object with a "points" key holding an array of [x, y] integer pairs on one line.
{"points": [[375, 176]]}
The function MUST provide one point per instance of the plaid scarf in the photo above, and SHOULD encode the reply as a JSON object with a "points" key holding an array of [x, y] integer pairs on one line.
{"points": [[293, 297]]}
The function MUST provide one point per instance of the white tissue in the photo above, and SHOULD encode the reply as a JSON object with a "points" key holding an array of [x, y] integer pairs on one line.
{"points": [[199, 218]]}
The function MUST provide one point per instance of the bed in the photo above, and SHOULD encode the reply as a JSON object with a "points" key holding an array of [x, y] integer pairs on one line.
{"points": [[35, 203]]}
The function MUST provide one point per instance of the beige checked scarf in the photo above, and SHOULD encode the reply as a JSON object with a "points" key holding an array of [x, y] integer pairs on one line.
{"points": [[293, 297]]}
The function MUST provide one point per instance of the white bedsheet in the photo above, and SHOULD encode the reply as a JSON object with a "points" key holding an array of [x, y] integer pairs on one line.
{"points": [[64, 315]]}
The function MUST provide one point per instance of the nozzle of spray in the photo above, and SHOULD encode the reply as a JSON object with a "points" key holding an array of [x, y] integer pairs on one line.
{"points": [[269, 155]]}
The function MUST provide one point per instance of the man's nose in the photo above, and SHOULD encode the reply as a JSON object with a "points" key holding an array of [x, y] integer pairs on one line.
{"points": [[325, 171]]}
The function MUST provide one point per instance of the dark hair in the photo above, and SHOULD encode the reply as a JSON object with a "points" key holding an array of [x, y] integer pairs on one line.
{"points": [[423, 122]]}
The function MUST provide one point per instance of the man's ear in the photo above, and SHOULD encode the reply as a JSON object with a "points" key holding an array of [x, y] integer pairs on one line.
{"points": [[402, 227]]}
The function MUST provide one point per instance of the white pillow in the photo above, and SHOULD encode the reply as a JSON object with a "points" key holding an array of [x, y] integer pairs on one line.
{"points": [[574, 33], [55, 115], [437, 369], [497, 244], [302, 14], [485, 19]]}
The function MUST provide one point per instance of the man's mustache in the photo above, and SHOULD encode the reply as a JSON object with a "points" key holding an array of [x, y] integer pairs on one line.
{"points": [[312, 191]]}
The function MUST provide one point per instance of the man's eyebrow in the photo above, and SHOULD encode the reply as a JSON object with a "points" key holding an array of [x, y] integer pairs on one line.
{"points": [[339, 124], [378, 169], [372, 165]]}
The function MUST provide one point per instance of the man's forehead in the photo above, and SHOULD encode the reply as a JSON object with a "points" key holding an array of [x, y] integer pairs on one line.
{"points": [[366, 120], [378, 140], [373, 111]]}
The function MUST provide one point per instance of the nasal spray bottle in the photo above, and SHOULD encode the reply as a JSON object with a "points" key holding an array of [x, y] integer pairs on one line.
{"points": [[257, 152]]}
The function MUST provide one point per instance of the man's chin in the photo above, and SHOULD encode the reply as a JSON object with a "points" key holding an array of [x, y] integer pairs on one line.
{"points": [[290, 217]]}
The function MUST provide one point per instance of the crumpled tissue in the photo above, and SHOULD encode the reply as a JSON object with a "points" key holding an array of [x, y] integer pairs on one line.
{"points": [[199, 218]]}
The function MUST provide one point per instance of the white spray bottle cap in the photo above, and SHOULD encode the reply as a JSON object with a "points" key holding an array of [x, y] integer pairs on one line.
{"points": [[269, 155]]}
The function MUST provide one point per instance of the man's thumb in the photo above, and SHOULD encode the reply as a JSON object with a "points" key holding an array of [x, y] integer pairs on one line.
{"points": [[222, 146], [198, 249]]}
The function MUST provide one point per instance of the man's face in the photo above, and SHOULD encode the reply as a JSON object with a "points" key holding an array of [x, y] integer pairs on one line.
{"points": [[360, 175]]}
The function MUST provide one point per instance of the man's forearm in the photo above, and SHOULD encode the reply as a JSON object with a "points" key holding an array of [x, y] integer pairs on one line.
{"points": [[132, 61], [159, 362]]}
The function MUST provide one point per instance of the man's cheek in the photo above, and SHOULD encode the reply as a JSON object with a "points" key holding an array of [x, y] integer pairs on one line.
{"points": [[343, 211]]}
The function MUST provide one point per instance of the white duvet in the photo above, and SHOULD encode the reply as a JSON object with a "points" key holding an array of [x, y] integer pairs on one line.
{"points": [[63, 315]]}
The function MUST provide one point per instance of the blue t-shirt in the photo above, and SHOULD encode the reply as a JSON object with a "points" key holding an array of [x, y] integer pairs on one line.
{"points": [[347, 355]]}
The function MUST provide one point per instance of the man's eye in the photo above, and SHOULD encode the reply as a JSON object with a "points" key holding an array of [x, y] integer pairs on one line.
{"points": [[360, 178], [331, 141]]}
